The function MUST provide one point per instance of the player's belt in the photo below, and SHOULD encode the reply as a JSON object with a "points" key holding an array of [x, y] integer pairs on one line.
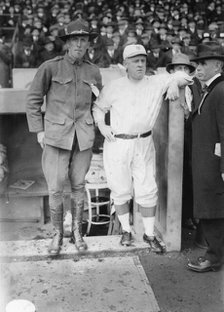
{"points": [[133, 136]]}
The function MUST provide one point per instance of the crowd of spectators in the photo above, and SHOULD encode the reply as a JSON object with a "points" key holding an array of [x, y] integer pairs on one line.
{"points": [[163, 27]]}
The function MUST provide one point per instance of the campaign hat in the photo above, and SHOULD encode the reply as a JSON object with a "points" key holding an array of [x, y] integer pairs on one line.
{"points": [[132, 50], [180, 59], [209, 50], [79, 27]]}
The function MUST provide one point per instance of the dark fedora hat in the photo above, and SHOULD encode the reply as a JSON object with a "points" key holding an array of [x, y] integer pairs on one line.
{"points": [[180, 59], [79, 27], [209, 50]]}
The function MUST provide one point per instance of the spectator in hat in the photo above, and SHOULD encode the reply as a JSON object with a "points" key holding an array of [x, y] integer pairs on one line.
{"points": [[192, 29], [148, 29], [210, 12], [48, 51], [186, 40], [54, 36], [200, 31], [25, 56], [155, 32], [24, 27], [132, 37], [193, 46], [94, 54], [182, 33], [176, 27], [208, 156], [67, 18], [12, 18], [116, 39], [175, 48], [41, 14], [139, 27], [156, 57], [145, 40], [66, 135], [110, 29], [37, 41], [160, 14], [183, 22], [110, 55], [94, 23], [219, 13], [52, 15], [163, 39], [5, 62], [37, 23], [123, 29], [60, 20], [213, 29], [134, 102], [100, 40]]}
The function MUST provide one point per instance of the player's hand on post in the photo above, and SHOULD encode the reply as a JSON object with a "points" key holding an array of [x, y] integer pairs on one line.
{"points": [[172, 93]]}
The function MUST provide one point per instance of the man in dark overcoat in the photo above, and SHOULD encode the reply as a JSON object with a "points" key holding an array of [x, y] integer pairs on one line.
{"points": [[208, 155], [67, 132]]}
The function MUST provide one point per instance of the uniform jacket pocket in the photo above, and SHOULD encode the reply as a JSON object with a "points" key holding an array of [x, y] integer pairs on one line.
{"points": [[61, 86], [55, 120]]}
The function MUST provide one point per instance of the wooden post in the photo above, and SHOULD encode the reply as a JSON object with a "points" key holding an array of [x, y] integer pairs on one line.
{"points": [[174, 175]]}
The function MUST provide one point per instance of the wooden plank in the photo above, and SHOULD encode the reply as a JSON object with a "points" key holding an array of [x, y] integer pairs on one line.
{"points": [[12, 101], [174, 175], [22, 77], [21, 209]]}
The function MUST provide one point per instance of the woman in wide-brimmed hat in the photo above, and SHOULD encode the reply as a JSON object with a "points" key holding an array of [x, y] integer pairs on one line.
{"points": [[180, 60]]}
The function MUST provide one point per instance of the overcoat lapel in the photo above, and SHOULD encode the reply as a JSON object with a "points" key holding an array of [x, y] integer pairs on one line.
{"points": [[199, 104]]}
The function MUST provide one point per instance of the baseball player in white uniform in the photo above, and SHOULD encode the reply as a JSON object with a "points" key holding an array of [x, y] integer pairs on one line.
{"points": [[134, 102]]}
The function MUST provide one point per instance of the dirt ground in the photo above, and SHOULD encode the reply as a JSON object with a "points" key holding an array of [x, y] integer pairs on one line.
{"points": [[178, 289], [175, 287]]}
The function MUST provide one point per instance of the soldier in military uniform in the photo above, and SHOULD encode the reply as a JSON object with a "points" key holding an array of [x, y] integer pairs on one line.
{"points": [[66, 134]]}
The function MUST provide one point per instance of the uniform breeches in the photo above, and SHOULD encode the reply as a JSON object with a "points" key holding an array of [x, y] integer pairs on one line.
{"points": [[130, 170], [61, 166]]}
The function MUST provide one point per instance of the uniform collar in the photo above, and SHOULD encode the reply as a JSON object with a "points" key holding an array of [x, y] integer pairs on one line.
{"points": [[72, 61]]}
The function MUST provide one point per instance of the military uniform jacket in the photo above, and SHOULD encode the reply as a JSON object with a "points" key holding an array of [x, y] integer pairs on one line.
{"points": [[207, 164], [68, 87]]}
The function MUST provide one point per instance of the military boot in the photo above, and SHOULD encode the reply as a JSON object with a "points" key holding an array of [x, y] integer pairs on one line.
{"points": [[77, 215], [56, 243]]}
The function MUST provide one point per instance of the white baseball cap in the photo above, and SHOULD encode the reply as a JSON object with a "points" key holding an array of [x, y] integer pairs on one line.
{"points": [[132, 50]]}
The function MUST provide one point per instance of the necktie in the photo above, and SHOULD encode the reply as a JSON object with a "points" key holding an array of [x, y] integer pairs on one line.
{"points": [[204, 89], [204, 92]]}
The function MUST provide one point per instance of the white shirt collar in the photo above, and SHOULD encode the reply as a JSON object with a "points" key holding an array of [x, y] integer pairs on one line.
{"points": [[208, 82]]}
